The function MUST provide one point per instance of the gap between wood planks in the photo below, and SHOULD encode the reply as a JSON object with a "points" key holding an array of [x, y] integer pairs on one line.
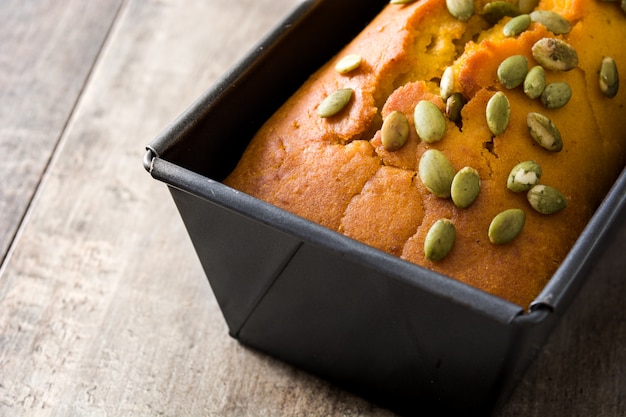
{"points": [[14, 238]]}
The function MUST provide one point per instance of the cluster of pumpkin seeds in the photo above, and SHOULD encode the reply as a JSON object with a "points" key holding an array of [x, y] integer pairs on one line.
{"points": [[524, 177], [552, 54], [492, 12], [435, 169], [454, 100], [335, 102], [441, 179], [514, 71]]}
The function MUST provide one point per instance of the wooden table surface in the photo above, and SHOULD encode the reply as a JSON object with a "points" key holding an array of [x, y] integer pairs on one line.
{"points": [[104, 308]]}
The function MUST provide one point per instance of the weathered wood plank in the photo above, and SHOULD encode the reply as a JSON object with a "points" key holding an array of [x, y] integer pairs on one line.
{"points": [[47, 50], [103, 305], [104, 308], [582, 370]]}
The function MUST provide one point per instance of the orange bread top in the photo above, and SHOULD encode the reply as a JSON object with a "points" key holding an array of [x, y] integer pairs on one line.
{"points": [[336, 172]]}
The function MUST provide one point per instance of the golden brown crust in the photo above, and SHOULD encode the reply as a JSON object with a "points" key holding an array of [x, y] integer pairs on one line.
{"points": [[336, 172]]}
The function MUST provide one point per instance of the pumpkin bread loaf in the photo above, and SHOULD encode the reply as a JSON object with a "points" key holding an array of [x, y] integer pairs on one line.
{"points": [[335, 164]]}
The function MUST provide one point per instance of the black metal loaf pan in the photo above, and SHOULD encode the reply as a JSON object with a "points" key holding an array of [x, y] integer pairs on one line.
{"points": [[397, 334]]}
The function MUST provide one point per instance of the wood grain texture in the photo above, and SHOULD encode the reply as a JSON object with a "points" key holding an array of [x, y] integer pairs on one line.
{"points": [[104, 308], [47, 51], [582, 369]]}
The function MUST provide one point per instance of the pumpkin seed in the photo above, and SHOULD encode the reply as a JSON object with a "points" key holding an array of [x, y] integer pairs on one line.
{"points": [[524, 176], [609, 79], [465, 187], [439, 240], [552, 21], [429, 121], [496, 10], [454, 105], [556, 95], [506, 226], [535, 82], [555, 54], [512, 71], [348, 63], [546, 199], [460, 9], [527, 6], [498, 113], [446, 85], [436, 172], [516, 25], [395, 131], [544, 132], [335, 102]]}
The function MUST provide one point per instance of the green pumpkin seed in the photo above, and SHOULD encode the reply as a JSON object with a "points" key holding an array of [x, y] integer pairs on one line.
{"points": [[609, 79], [430, 123], [446, 85], [465, 187], [527, 6], [496, 10], [524, 176], [335, 102], [556, 95], [535, 82], [460, 9], [544, 132], [454, 105], [436, 172], [506, 226], [555, 54], [516, 25], [395, 131], [439, 240], [512, 71], [348, 63], [546, 199], [498, 113], [552, 21]]}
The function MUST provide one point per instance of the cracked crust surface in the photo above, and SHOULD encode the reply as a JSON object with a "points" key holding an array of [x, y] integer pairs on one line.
{"points": [[336, 172]]}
